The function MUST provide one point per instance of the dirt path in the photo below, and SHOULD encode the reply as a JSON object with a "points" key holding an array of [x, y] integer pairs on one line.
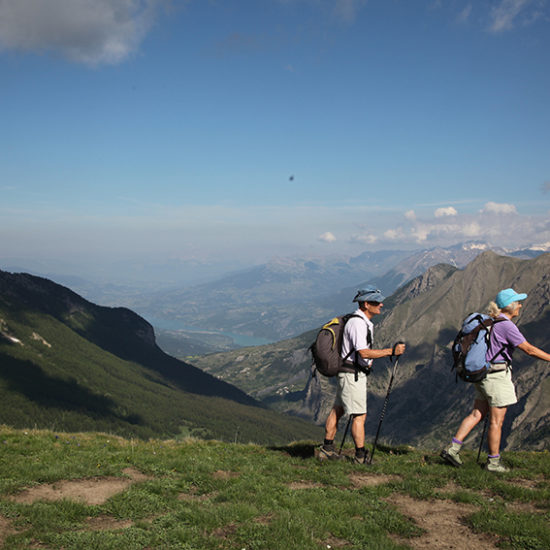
{"points": [[92, 491], [364, 479], [443, 522], [5, 530]]}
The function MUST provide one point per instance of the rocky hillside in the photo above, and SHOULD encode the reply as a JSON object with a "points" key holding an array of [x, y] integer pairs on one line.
{"points": [[426, 401]]}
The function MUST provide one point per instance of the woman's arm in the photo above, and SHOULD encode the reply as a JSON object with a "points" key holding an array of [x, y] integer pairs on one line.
{"points": [[533, 351]]}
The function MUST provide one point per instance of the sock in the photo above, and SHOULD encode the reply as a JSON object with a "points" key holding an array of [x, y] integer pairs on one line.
{"points": [[457, 441], [328, 443], [360, 452], [494, 456]]}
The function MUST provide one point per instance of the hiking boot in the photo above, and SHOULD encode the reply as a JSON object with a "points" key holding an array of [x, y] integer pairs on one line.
{"points": [[495, 465], [328, 452], [451, 455], [360, 459]]}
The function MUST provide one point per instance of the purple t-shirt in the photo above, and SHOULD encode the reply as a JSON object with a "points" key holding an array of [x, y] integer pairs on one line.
{"points": [[505, 338]]}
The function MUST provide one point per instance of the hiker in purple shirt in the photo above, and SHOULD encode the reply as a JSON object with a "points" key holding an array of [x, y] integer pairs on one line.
{"points": [[496, 392]]}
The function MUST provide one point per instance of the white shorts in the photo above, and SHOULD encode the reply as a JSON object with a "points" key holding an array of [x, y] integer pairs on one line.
{"points": [[351, 395], [497, 389]]}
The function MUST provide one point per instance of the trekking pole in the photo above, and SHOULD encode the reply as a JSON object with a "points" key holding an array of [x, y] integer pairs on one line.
{"points": [[482, 437], [385, 401], [345, 434]]}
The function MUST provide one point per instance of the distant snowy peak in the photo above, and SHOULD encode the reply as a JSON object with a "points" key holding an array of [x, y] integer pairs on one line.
{"points": [[458, 256], [543, 247], [476, 246]]}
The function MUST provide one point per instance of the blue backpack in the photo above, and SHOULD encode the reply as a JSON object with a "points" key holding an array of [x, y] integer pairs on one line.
{"points": [[470, 347]]}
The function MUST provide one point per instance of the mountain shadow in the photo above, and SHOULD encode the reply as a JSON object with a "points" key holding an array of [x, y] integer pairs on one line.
{"points": [[119, 331], [29, 380]]}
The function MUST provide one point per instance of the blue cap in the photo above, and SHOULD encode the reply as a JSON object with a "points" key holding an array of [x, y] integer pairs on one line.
{"points": [[507, 296], [369, 294]]}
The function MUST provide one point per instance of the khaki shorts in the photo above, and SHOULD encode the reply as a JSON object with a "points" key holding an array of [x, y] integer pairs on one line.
{"points": [[352, 395], [497, 389]]}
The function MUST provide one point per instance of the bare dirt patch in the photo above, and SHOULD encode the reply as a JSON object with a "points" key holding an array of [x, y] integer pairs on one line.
{"points": [[5, 530], [107, 523], [443, 522], [225, 532], [92, 491], [364, 479], [525, 483], [333, 542]]}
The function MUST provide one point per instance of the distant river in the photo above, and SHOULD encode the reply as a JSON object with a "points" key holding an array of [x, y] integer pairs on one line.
{"points": [[238, 339]]}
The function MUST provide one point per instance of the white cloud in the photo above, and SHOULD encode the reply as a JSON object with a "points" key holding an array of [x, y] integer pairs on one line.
{"points": [[503, 16], [365, 239], [464, 15], [92, 32], [327, 237], [472, 229], [393, 234], [410, 215], [447, 211], [420, 233], [499, 208]]}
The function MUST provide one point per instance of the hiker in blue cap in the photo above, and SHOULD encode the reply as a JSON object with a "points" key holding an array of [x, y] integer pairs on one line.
{"points": [[351, 393], [496, 392]]}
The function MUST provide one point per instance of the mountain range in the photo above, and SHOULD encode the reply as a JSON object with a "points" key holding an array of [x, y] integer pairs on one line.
{"points": [[280, 299], [427, 401], [285, 298]]}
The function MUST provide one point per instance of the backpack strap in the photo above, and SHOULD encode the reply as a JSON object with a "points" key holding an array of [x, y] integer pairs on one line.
{"points": [[356, 368], [488, 336]]}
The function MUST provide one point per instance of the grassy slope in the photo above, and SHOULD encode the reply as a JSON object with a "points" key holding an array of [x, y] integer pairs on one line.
{"points": [[59, 379], [209, 495]]}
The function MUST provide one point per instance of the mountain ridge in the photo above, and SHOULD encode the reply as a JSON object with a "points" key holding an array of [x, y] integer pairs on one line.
{"points": [[68, 363]]}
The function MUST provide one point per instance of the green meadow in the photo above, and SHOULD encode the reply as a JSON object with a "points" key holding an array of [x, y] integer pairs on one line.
{"points": [[99, 491]]}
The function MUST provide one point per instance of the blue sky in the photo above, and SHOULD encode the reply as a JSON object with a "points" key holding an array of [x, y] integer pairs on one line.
{"points": [[224, 133]]}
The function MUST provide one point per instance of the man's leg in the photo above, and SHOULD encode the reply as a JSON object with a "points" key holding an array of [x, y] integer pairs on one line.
{"points": [[327, 450], [358, 435], [331, 424], [358, 430]]}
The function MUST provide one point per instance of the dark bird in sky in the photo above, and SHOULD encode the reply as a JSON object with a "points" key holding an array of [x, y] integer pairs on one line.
{"points": [[291, 178]]}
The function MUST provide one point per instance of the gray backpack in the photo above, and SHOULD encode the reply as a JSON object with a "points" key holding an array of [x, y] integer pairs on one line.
{"points": [[328, 345]]}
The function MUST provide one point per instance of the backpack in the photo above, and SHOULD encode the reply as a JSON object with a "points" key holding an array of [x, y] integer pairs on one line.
{"points": [[328, 345], [470, 347]]}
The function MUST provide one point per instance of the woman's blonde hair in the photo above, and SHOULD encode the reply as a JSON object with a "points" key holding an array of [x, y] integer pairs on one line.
{"points": [[494, 311]]}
